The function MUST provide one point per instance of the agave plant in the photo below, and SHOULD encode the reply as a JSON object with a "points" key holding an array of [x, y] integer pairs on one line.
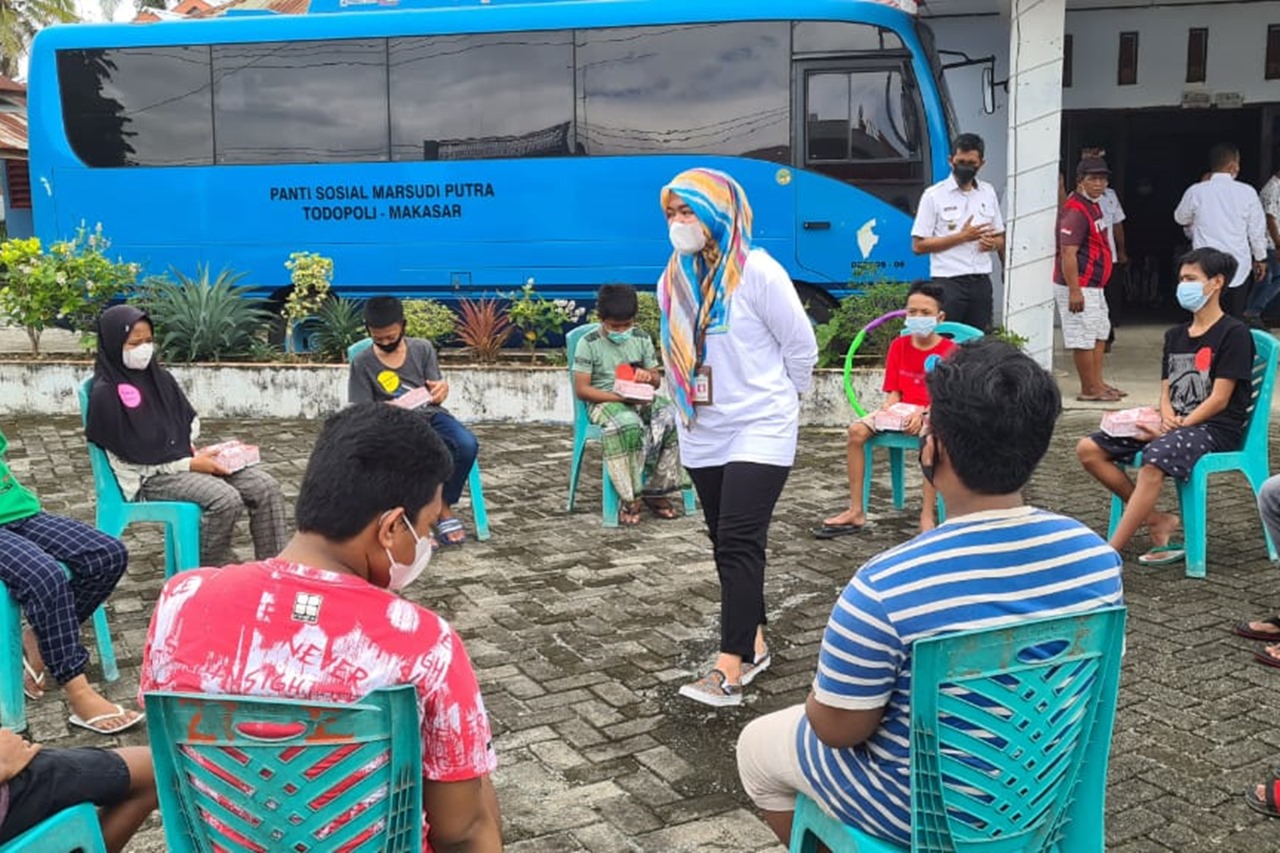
{"points": [[484, 327], [201, 320], [338, 324]]}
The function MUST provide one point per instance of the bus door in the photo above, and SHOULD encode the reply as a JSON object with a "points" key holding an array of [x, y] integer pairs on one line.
{"points": [[862, 155]]}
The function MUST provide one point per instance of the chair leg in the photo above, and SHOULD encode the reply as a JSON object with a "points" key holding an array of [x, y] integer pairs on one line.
{"points": [[186, 548], [574, 468], [106, 648], [690, 501], [942, 509], [1257, 475], [868, 456], [13, 705], [478, 508], [611, 502], [897, 476], [1193, 496], [1117, 510]]}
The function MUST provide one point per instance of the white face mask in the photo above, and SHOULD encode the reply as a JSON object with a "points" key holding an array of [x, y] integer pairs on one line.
{"points": [[404, 574], [687, 238], [139, 357]]}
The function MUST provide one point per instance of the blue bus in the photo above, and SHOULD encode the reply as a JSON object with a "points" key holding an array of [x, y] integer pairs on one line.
{"points": [[461, 148]]}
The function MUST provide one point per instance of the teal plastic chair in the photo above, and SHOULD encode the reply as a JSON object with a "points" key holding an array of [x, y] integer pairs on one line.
{"points": [[76, 828], [13, 702], [1252, 459], [897, 442], [181, 519], [479, 511], [585, 431], [248, 773], [1010, 733]]}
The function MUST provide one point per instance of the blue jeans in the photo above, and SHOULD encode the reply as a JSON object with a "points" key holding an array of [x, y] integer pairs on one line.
{"points": [[462, 445], [1266, 290]]}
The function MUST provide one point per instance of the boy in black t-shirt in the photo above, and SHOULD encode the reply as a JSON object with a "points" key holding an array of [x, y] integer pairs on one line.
{"points": [[1204, 400]]}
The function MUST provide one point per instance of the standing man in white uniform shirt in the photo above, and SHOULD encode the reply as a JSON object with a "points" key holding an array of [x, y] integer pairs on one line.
{"points": [[1265, 292], [1225, 214], [958, 224]]}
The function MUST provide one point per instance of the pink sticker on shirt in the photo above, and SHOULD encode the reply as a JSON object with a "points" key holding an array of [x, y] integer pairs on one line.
{"points": [[129, 395]]}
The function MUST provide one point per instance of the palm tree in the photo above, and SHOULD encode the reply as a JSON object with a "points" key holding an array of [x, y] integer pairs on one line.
{"points": [[19, 22]]}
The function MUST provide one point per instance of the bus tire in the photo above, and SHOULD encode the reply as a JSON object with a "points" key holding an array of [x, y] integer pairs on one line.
{"points": [[818, 304]]}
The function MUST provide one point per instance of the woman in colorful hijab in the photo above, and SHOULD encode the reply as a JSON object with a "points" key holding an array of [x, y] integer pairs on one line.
{"points": [[739, 350], [141, 418]]}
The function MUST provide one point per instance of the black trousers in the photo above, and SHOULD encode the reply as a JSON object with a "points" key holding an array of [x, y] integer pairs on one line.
{"points": [[967, 299], [737, 501], [1235, 299]]}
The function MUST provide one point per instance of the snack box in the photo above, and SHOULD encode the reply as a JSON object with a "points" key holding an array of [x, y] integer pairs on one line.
{"points": [[234, 455], [894, 418], [634, 390], [1125, 423], [414, 399]]}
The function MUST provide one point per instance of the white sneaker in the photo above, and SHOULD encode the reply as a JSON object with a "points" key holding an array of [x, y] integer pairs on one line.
{"points": [[714, 689]]}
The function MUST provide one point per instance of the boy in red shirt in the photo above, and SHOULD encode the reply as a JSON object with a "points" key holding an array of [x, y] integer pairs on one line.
{"points": [[323, 621], [904, 374]]}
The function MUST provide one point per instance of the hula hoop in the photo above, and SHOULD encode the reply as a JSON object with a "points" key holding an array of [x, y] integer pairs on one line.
{"points": [[853, 350]]}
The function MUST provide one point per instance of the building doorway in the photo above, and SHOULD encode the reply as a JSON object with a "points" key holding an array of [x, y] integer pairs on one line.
{"points": [[1155, 154]]}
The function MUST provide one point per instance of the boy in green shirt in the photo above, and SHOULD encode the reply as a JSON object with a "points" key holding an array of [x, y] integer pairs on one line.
{"points": [[641, 453]]}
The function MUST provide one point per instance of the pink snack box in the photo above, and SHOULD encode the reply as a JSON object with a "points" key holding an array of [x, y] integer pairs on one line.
{"points": [[234, 455], [634, 390], [1125, 423], [894, 418], [414, 399]]}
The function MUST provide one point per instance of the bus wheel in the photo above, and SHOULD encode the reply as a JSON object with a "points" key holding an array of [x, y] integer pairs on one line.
{"points": [[818, 304]]}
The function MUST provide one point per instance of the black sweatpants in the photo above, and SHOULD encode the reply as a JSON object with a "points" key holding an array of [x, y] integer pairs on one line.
{"points": [[737, 501]]}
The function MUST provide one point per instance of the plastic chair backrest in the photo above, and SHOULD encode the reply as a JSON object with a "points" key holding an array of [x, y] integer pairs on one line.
{"points": [[248, 773], [74, 828], [110, 498], [958, 332], [357, 348], [1265, 350], [580, 422], [1010, 731]]}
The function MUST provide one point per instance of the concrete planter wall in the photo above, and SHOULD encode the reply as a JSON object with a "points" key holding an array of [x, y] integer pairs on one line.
{"points": [[502, 394]]}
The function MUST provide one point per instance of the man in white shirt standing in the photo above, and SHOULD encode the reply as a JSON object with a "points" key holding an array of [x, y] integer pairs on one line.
{"points": [[1225, 214], [958, 224], [1267, 290]]}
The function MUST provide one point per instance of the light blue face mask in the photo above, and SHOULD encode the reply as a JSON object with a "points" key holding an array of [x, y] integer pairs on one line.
{"points": [[1191, 295], [621, 337], [922, 327]]}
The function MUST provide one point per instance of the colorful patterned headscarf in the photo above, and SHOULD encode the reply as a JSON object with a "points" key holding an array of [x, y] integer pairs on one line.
{"points": [[695, 290]]}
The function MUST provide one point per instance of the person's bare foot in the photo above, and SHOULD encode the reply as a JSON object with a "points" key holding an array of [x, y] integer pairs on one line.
{"points": [[629, 513], [32, 684], [856, 517], [1161, 527]]}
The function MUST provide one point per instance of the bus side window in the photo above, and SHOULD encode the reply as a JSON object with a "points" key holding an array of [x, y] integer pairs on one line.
{"points": [[862, 126]]}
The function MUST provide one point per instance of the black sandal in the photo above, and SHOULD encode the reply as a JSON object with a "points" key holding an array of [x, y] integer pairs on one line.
{"points": [[1266, 805], [661, 506], [1243, 630]]}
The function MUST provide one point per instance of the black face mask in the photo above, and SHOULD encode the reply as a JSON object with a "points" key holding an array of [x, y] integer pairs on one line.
{"points": [[391, 347], [927, 470], [964, 174]]}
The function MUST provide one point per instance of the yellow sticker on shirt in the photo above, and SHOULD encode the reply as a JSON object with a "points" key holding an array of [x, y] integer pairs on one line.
{"points": [[389, 380]]}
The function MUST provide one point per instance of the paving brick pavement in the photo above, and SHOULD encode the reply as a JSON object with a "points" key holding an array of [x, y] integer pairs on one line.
{"points": [[581, 637]]}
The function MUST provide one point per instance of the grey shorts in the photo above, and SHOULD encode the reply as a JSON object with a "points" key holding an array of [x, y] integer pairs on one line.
{"points": [[1083, 329]]}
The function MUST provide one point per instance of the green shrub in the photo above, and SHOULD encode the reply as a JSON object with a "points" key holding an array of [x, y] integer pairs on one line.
{"points": [[429, 319], [1000, 333], [538, 318], [854, 313], [337, 324], [312, 277], [201, 320]]}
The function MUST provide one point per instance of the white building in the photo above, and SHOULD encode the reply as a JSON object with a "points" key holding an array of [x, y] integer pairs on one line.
{"points": [[1155, 83]]}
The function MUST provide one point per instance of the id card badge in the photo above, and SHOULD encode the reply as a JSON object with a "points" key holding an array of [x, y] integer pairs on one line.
{"points": [[702, 386]]}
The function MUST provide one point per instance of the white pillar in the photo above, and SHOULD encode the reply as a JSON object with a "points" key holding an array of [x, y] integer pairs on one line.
{"points": [[1035, 118]]}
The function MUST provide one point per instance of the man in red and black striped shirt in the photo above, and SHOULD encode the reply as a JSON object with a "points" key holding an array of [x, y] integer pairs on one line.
{"points": [[1080, 276]]}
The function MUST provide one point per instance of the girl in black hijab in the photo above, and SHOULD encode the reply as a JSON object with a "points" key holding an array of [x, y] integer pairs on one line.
{"points": [[139, 415]]}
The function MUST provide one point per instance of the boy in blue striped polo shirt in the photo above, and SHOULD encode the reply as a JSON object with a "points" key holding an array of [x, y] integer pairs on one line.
{"points": [[994, 562]]}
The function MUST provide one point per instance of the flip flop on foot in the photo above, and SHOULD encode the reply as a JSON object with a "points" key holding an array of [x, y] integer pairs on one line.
{"points": [[1243, 630], [1105, 397], [451, 531], [834, 531], [1265, 804], [1163, 555], [1114, 390], [98, 724], [32, 681], [1267, 656], [661, 506], [629, 514]]}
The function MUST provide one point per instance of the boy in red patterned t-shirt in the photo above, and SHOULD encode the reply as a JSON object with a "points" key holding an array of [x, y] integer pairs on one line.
{"points": [[904, 374], [319, 622]]}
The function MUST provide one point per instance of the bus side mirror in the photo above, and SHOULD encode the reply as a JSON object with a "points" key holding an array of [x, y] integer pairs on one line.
{"points": [[988, 89]]}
